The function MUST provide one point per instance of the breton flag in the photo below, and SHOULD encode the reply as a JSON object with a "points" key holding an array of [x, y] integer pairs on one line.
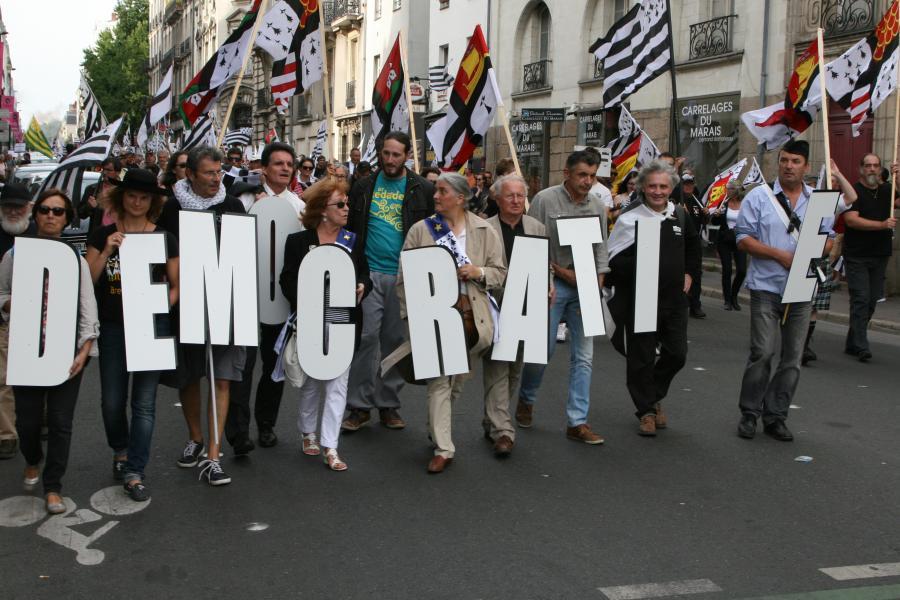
{"points": [[754, 175], [160, 106], [319, 149], [775, 125], [635, 50], [203, 133], [803, 86], [862, 77], [203, 89], [94, 119], [715, 193], [238, 137], [470, 110], [438, 78], [389, 109], [36, 141], [290, 34], [370, 155]]}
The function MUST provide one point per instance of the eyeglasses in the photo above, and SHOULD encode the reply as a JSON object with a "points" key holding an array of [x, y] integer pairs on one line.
{"points": [[181, 165], [56, 210], [234, 158], [339, 204], [306, 168]]}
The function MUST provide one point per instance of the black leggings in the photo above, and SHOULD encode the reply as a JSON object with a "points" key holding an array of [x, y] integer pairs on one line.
{"points": [[727, 251]]}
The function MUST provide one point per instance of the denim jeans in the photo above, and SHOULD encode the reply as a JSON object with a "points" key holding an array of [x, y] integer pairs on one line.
{"points": [[865, 282], [581, 355], [122, 438], [760, 393]]}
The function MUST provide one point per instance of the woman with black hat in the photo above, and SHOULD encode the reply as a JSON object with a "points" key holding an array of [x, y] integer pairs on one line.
{"points": [[137, 201]]}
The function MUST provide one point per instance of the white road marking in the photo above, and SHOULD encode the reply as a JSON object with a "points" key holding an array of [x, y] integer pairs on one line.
{"points": [[58, 529], [20, 511], [112, 501], [257, 526], [659, 590], [863, 571]]}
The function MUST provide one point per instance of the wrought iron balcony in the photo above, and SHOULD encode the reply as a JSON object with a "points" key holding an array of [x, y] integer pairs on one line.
{"points": [[712, 38], [336, 11], [183, 50], [174, 8], [301, 110], [537, 75], [166, 59], [263, 98], [845, 17], [351, 94]]}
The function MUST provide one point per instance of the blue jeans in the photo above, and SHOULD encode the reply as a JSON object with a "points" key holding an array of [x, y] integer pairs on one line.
{"points": [[135, 440], [581, 356], [762, 393]]}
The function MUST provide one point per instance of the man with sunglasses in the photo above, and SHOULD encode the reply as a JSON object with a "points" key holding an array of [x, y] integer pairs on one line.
{"points": [[277, 170], [234, 158], [383, 207], [765, 230]]}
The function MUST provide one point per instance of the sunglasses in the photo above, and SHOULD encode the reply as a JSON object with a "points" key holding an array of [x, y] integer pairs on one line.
{"points": [[181, 165], [339, 204], [56, 210], [306, 168]]}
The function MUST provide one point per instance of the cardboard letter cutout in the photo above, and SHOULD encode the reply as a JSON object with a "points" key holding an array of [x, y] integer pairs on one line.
{"points": [[33, 259], [435, 327], [218, 280], [646, 281], [275, 221], [524, 315], [582, 233], [141, 300], [800, 287], [325, 351]]}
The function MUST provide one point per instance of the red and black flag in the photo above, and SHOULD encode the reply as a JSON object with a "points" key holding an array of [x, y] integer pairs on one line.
{"points": [[803, 80], [470, 111], [389, 109], [203, 89], [289, 32]]}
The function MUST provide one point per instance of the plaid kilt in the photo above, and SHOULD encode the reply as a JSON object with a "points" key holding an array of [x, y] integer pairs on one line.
{"points": [[822, 298]]}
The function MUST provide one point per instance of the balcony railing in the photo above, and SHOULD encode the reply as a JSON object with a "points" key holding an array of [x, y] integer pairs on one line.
{"points": [[351, 94], [174, 8], [845, 17], [302, 110], [263, 98], [537, 75], [711, 38], [183, 50], [166, 59], [335, 10]]}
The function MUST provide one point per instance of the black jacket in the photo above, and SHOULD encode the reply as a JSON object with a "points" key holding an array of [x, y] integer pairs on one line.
{"points": [[168, 220], [296, 247], [418, 203]]}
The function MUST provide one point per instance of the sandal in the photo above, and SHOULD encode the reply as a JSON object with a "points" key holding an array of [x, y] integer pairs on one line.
{"points": [[334, 461], [137, 491], [311, 445], [55, 504]]}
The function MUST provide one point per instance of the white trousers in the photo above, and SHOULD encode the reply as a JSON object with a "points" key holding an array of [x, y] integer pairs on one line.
{"points": [[335, 400]]}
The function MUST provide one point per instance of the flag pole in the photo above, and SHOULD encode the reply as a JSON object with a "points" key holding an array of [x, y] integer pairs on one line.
{"points": [[896, 133], [512, 147], [674, 120], [240, 76], [821, 53], [327, 90], [412, 122]]}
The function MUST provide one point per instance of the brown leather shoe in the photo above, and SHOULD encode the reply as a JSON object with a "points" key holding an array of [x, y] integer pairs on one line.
{"points": [[390, 418], [583, 433], [648, 425], [356, 419], [524, 414], [661, 420], [503, 446], [438, 463]]}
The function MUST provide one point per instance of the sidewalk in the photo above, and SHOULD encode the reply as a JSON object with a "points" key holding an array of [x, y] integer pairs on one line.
{"points": [[887, 313]]}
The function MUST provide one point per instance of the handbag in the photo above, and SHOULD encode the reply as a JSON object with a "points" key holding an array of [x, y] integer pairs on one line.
{"points": [[464, 307]]}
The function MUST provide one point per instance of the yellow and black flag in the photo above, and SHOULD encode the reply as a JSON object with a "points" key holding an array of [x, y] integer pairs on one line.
{"points": [[36, 141], [800, 85]]}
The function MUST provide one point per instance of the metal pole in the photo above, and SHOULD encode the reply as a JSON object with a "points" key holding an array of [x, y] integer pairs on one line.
{"points": [[764, 74], [674, 120]]}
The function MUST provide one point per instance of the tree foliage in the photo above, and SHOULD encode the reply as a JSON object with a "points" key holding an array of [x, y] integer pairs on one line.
{"points": [[115, 67]]}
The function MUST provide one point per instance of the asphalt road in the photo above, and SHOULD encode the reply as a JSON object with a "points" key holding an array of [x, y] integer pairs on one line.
{"points": [[717, 515]]}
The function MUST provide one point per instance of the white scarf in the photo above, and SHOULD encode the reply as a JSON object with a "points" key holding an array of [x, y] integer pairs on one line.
{"points": [[622, 235], [189, 200]]}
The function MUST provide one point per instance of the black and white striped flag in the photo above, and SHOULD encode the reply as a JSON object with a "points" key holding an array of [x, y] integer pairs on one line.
{"points": [[94, 119], [160, 106], [439, 78], [239, 175], [238, 137], [319, 148], [635, 50], [202, 134]]}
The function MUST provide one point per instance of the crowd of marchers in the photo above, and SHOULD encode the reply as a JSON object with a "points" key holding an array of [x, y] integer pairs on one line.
{"points": [[377, 211]]}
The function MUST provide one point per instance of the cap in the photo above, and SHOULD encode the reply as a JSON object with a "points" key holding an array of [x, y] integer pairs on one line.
{"points": [[14, 194]]}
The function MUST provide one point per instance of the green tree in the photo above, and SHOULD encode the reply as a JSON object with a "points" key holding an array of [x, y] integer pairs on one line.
{"points": [[115, 66]]}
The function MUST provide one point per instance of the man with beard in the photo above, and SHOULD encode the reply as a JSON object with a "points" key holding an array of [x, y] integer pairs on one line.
{"points": [[15, 220]]}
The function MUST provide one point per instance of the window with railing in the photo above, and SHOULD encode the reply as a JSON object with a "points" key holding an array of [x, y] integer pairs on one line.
{"points": [[351, 94], [711, 38], [845, 17], [338, 9], [536, 76], [262, 98]]}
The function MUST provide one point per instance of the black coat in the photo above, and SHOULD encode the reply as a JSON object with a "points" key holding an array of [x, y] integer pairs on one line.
{"points": [[296, 247], [418, 203]]}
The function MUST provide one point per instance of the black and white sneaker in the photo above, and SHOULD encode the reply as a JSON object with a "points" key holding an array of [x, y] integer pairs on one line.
{"points": [[212, 471], [190, 456]]}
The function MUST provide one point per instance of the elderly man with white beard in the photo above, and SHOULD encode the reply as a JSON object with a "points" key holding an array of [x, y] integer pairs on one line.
{"points": [[15, 220]]}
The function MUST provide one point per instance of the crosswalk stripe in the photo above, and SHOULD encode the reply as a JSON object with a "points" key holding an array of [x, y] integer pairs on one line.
{"points": [[863, 571], [659, 590]]}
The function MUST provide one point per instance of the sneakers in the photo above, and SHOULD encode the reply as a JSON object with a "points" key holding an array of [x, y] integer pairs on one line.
{"points": [[390, 418], [356, 419], [561, 333], [190, 456], [648, 425], [583, 433], [524, 414], [137, 491], [212, 471], [662, 421]]}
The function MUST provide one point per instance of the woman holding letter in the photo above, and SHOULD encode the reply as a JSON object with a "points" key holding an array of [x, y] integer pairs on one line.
{"points": [[52, 212], [324, 220], [137, 201], [478, 252]]}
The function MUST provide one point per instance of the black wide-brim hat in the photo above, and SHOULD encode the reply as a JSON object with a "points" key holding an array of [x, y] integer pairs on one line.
{"points": [[140, 180]]}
